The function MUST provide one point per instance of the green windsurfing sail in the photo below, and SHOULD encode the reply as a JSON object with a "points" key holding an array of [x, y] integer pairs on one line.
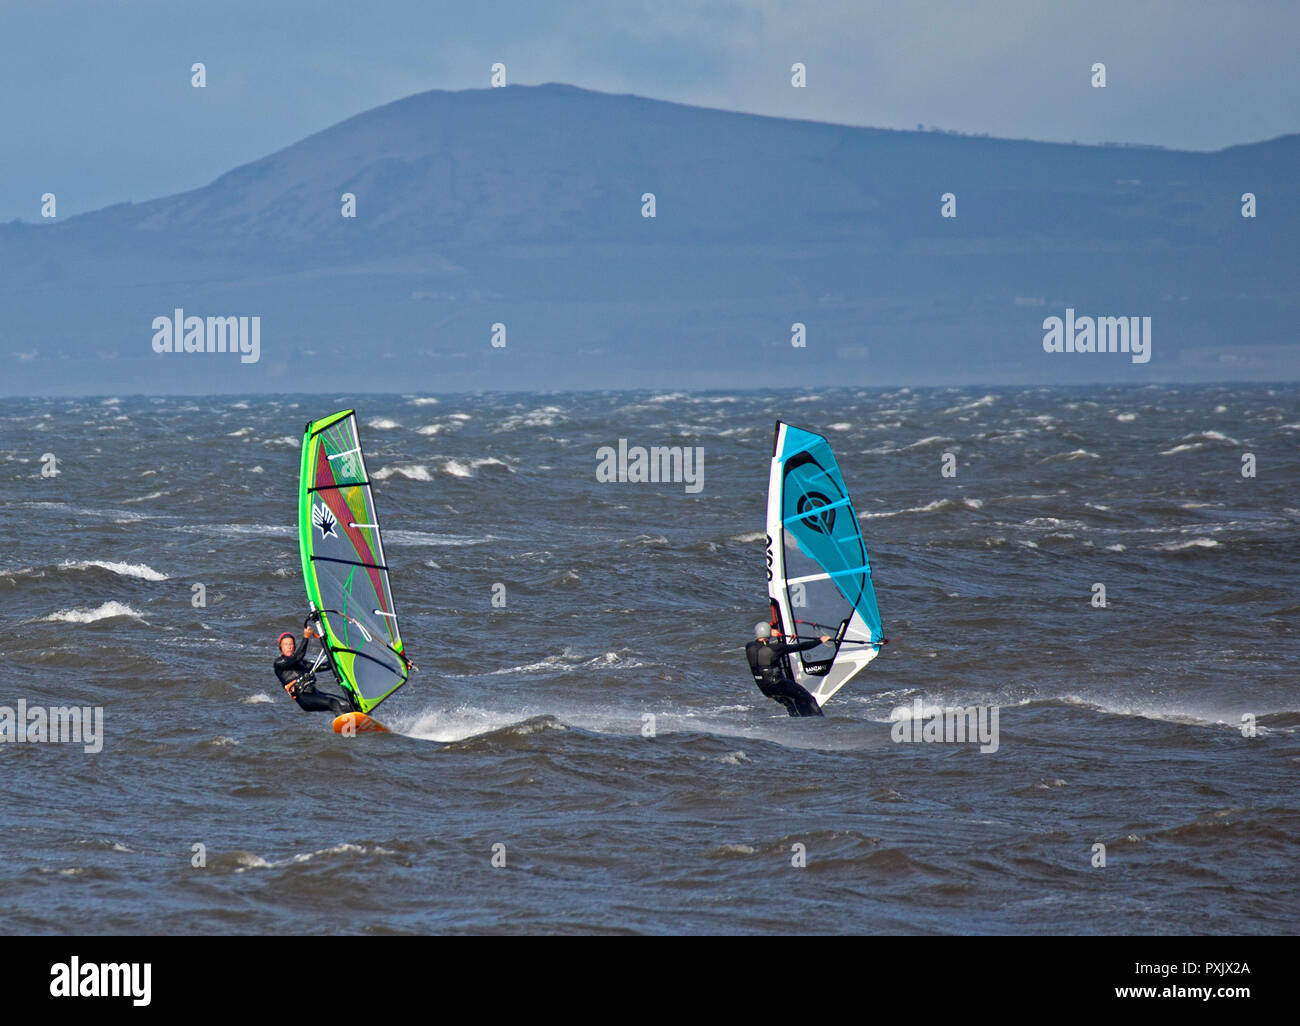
{"points": [[343, 565]]}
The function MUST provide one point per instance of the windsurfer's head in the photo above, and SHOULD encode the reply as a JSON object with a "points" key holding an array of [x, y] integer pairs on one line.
{"points": [[286, 643], [762, 629]]}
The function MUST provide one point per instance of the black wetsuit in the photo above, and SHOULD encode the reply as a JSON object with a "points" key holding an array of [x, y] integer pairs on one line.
{"points": [[297, 668], [765, 661]]}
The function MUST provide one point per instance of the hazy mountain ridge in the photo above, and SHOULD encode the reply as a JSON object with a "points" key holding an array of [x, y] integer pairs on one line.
{"points": [[523, 205]]}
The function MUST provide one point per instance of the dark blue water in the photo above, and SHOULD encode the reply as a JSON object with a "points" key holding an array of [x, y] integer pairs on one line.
{"points": [[524, 728]]}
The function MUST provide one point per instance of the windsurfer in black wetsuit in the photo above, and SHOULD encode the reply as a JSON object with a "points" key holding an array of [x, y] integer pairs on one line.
{"points": [[766, 655], [296, 674]]}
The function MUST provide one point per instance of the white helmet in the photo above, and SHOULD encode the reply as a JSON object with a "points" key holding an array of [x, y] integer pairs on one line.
{"points": [[762, 629]]}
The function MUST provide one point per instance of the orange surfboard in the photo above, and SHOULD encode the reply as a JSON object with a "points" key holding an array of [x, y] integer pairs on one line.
{"points": [[358, 723]]}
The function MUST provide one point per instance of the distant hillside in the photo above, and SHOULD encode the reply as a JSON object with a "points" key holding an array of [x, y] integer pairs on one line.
{"points": [[523, 205]]}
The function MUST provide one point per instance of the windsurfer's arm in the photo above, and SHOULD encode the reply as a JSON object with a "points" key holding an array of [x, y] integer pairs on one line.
{"points": [[307, 634], [803, 646]]}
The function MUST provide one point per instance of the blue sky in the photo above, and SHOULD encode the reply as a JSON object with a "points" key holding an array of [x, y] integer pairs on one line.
{"points": [[98, 106]]}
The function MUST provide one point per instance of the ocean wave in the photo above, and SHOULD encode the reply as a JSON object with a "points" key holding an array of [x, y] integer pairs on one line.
{"points": [[490, 461], [107, 611], [977, 404], [1200, 440], [547, 416], [448, 726], [414, 538], [247, 860], [414, 472], [1195, 543], [141, 570], [938, 505], [931, 440], [1070, 457]]}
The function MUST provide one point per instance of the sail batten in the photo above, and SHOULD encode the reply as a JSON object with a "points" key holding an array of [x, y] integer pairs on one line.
{"points": [[343, 565], [819, 573]]}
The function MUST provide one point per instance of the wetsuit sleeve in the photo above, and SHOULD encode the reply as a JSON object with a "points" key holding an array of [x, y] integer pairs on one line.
{"points": [[786, 648]]}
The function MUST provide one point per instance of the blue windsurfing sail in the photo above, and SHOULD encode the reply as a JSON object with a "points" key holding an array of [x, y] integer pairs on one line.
{"points": [[819, 573]]}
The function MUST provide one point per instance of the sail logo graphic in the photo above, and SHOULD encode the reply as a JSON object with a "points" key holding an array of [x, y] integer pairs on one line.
{"points": [[819, 522], [324, 520]]}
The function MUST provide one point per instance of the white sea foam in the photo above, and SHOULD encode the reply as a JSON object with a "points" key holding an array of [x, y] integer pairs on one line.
{"points": [[107, 611], [983, 401], [547, 416], [929, 507], [1199, 440], [1070, 457], [140, 570], [415, 472], [394, 537], [931, 440], [460, 724], [1194, 543], [247, 860]]}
